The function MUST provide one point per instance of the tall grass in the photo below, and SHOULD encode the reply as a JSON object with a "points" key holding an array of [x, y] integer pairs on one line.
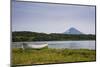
{"points": [[47, 55]]}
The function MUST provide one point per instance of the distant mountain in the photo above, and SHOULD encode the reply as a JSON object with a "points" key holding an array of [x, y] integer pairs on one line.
{"points": [[72, 31]]}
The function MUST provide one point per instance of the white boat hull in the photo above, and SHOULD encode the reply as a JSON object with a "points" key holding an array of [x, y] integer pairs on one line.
{"points": [[34, 46], [37, 46]]}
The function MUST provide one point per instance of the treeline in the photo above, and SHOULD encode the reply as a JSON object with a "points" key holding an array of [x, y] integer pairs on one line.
{"points": [[34, 36]]}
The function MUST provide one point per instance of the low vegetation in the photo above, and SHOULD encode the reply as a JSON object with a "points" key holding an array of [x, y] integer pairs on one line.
{"points": [[49, 55]]}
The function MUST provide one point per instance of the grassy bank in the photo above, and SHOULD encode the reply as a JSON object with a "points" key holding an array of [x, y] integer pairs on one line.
{"points": [[47, 55]]}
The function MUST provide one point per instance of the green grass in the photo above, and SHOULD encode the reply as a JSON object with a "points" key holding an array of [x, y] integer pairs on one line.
{"points": [[48, 55]]}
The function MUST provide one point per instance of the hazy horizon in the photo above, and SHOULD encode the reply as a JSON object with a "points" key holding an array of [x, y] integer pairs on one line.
{"points": [[52, 18]]}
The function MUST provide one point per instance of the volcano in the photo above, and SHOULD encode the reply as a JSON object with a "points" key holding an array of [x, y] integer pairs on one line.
{"points": [[72, 31]]}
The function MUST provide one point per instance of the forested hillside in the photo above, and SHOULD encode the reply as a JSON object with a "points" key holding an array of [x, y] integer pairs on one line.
{"points": [[34, 36]]}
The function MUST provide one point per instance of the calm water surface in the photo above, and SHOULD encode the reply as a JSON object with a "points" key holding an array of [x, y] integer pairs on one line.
{"points": [[88, 44]]}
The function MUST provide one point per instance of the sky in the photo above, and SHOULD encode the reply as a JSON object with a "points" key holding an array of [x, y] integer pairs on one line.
{"points": [[52, 18]]}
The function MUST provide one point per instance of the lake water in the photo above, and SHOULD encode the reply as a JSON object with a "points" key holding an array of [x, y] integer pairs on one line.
{"points": [[90, 44]]}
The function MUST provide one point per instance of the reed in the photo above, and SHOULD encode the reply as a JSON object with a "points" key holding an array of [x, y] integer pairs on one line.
{"points": [[48, 55]]}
